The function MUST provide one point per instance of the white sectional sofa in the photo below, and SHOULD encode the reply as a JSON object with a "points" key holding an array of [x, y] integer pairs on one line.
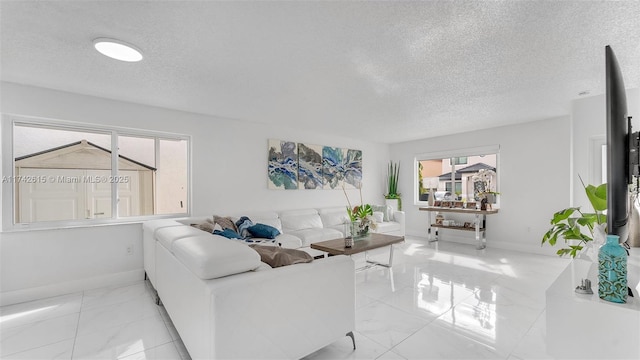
{"points": [[225, 303], [315, 225]]}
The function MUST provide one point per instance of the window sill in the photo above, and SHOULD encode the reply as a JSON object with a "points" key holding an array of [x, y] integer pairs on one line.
{"points": [[16, 228]]}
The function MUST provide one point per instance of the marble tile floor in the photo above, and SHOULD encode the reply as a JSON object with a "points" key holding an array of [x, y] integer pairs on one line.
{"points": [[439, 301]]}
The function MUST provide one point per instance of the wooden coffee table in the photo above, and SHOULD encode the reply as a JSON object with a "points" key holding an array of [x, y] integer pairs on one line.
{"points": [[374, 241]]}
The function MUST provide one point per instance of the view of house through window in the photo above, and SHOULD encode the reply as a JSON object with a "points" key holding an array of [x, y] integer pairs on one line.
{"points": [[454, 178], [66, 174]]}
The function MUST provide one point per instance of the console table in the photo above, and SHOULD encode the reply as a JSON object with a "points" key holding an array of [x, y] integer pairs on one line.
{"points": [[479, 228]]}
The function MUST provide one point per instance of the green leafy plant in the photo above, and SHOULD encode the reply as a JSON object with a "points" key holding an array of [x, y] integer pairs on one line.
{"points": [[392, 179], [392, 182], [362, 214], [359, 212], [571, 223]]}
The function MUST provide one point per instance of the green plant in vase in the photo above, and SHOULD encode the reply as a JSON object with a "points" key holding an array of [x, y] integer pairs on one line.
{"points": [[392, 183], [361, 217], [578, 228]]}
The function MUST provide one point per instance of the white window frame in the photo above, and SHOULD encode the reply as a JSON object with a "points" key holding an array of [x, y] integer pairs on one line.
{"points": [[8, 168], [444, 154]]}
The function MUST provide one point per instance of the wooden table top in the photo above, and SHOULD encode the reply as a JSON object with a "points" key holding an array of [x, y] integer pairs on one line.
{"points": [[336, 247], [458, 210]]}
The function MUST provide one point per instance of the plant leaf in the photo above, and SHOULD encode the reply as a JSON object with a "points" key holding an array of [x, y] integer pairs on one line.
{"points": [[597, 196], [563, 214]]}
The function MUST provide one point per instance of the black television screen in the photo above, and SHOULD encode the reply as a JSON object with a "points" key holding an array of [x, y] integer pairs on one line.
{"points": [[618, 167]]}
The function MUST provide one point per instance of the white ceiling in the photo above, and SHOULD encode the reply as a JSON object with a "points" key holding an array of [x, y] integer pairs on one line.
{"points": [[382, 71]]}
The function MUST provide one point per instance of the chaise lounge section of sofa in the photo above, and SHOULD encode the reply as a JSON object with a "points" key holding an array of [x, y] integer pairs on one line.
{"points": [[226, 304]]}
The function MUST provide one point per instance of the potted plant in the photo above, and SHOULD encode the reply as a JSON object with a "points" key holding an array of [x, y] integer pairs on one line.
{"points": [[360, 216], [484, 183], [580, 229], [393, 197]]}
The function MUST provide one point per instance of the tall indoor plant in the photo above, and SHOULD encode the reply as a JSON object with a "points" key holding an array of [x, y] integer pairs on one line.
{"points": [[393, 197]]}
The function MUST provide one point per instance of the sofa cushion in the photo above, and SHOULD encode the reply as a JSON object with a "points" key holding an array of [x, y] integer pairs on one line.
{"points": [[331, 217], [152, 226], [270, 218], [378, 216], [288, 241], [263, 231], [226, 222], [213, 256], [387, 227], [168, 235], [277, 256], [309, 236], [207, 225], [300, 219]]}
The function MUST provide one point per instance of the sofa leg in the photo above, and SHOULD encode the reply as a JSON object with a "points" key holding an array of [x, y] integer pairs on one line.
{"points": [[353, 339]]}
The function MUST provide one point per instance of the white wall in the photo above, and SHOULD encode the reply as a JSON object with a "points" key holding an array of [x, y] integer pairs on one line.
{"points": [[589, 123], [229, 176], [534, 167], [539, 166]]}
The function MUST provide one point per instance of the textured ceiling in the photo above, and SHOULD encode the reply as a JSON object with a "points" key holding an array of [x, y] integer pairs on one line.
{"points": [[383, 71]]}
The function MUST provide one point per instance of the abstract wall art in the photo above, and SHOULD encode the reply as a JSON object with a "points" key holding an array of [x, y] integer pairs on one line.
{"points": [[309, 166], [305, 166], [332, 167], [283, 165], [352, 169]]}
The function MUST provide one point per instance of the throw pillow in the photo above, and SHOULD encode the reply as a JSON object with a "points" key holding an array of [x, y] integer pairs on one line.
{"points": [[228, 233], [378, 216], [243, 224], [207, 226], [225, 222], [276, 256], [385, 209], [263, 231]]}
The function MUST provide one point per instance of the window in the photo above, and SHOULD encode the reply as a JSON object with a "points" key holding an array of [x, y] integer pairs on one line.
{"points": [[450, 176], [62, 173], [460, 160], [458, 190]]}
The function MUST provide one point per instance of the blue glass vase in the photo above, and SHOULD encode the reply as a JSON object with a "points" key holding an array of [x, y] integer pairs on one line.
{"points": [[612, 271]]}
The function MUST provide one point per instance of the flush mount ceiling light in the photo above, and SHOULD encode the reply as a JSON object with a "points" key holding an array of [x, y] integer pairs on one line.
{"points": [[117, 49]]}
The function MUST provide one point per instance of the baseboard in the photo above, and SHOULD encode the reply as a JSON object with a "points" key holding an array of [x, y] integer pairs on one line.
{"points": [[69, 287]]}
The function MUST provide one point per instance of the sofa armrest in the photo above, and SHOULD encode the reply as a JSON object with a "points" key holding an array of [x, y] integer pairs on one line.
{"points": [[399, 216]]}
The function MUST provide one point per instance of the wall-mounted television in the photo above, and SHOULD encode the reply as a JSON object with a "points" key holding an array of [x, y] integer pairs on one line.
{"points": [[622, 150]]}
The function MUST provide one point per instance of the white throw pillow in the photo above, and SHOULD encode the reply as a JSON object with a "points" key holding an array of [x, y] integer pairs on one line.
{"points": [[378, 216]]}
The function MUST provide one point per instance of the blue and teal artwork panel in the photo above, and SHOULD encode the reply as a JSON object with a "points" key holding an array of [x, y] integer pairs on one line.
{"points": [[352, 169], [309, 166], [283, 165], [332, 167]]}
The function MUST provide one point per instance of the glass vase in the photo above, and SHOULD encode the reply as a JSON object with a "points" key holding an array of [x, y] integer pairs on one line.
{"points": [[359, 230], [612, 271]]}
